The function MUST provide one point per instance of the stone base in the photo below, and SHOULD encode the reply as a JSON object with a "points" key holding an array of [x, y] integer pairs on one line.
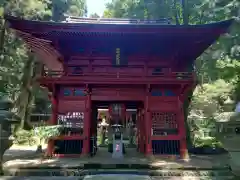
{"points": [[184, 154]]}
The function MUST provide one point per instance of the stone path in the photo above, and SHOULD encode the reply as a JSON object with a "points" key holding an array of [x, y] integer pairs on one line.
{"points": [[20, 152], [112, 177], [132, 157], [38, 178], [104, 158], [117, 177]]}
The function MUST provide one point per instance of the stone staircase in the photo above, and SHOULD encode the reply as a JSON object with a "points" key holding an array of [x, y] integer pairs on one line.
{"points": [[86, 170]]}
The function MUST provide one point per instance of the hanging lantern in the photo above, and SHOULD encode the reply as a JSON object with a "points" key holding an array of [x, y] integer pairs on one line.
{"points": [[117, 112]]}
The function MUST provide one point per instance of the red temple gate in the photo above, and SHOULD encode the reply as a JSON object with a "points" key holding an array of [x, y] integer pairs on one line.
{"points": [[138, 61]]}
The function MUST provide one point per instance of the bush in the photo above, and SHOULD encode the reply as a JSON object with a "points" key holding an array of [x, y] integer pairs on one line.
{"points": [[23, 137], [211, 142]]}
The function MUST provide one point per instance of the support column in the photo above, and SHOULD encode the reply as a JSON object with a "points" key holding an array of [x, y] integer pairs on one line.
{"points": [[87, 125], [53, 121], [182, 132], [142, 131], [147, 123], [138, 122]]}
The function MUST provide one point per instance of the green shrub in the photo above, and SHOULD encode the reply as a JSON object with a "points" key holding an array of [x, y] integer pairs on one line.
{"points": [[24, 137]]}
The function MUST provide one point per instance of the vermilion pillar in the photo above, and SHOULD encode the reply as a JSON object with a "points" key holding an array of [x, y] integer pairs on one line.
{"points": [[53, 121], [182, 132], [148, 124], [142, 130], [87, 125]]}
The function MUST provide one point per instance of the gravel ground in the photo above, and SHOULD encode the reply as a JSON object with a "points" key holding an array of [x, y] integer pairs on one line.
{"points": [[96, 177], [38, 178]]}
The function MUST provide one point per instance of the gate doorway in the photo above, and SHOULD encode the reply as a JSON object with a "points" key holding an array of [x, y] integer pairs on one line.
{"points": [[101, 126], [159, 132]]}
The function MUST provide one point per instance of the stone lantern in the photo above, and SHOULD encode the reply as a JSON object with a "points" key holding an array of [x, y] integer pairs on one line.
{"points": [[228, 105], [7, 118], [228, 133]]}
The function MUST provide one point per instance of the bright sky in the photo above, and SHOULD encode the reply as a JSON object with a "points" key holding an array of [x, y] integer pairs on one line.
{"points": [[96, 6]]}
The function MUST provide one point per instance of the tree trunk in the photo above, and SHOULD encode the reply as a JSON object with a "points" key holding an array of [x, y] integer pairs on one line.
{"points": [[2, 39], [25, 97], [31, 70], [176, 12], [185, 12]]}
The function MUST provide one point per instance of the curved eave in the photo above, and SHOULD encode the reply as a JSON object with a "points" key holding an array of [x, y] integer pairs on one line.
{"points": [[43, 26], [190, 41], [43, 50]]}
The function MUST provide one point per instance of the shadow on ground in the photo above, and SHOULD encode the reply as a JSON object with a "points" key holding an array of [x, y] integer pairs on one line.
{"points": [[28, 163]]}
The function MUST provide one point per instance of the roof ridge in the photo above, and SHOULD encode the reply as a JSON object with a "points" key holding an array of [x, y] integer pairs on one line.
{"points": [[74, 19]]}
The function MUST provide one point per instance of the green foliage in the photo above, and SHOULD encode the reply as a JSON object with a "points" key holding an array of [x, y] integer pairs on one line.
{"points": [[36, 135], [207, 142], [43, 133], [24, 137], [69, 7], [19, 67], [209, 100], [210, 97]]}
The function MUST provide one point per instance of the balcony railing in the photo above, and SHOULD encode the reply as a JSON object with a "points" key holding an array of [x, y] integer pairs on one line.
{"points": [[108, 72], [119, 75]]}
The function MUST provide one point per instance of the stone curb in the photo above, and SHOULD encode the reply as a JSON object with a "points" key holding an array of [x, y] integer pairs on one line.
{"points": [[81, 172], [125, 166], [22, 156]]}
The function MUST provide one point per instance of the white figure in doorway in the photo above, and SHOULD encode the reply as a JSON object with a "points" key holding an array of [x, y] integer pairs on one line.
{"points": [[103, 130]]}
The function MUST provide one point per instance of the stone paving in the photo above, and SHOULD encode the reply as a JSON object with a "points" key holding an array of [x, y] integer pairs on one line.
{"points": [[112, 177], [132, 157], [19, 152], [38, 178]]}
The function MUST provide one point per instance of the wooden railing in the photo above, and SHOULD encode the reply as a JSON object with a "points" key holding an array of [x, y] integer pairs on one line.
{"points": [[117, 72], [118, 75]]}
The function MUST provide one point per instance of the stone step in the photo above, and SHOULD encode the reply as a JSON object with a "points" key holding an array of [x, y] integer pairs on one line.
{"points": [[107, 166], [222, 174]]}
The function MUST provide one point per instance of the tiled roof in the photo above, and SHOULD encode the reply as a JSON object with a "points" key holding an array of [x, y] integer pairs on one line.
{"points": [[42, 36], [72, 19]]}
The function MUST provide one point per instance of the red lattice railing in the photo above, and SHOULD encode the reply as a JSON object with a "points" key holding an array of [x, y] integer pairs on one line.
{"points": [[164, 123]]}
